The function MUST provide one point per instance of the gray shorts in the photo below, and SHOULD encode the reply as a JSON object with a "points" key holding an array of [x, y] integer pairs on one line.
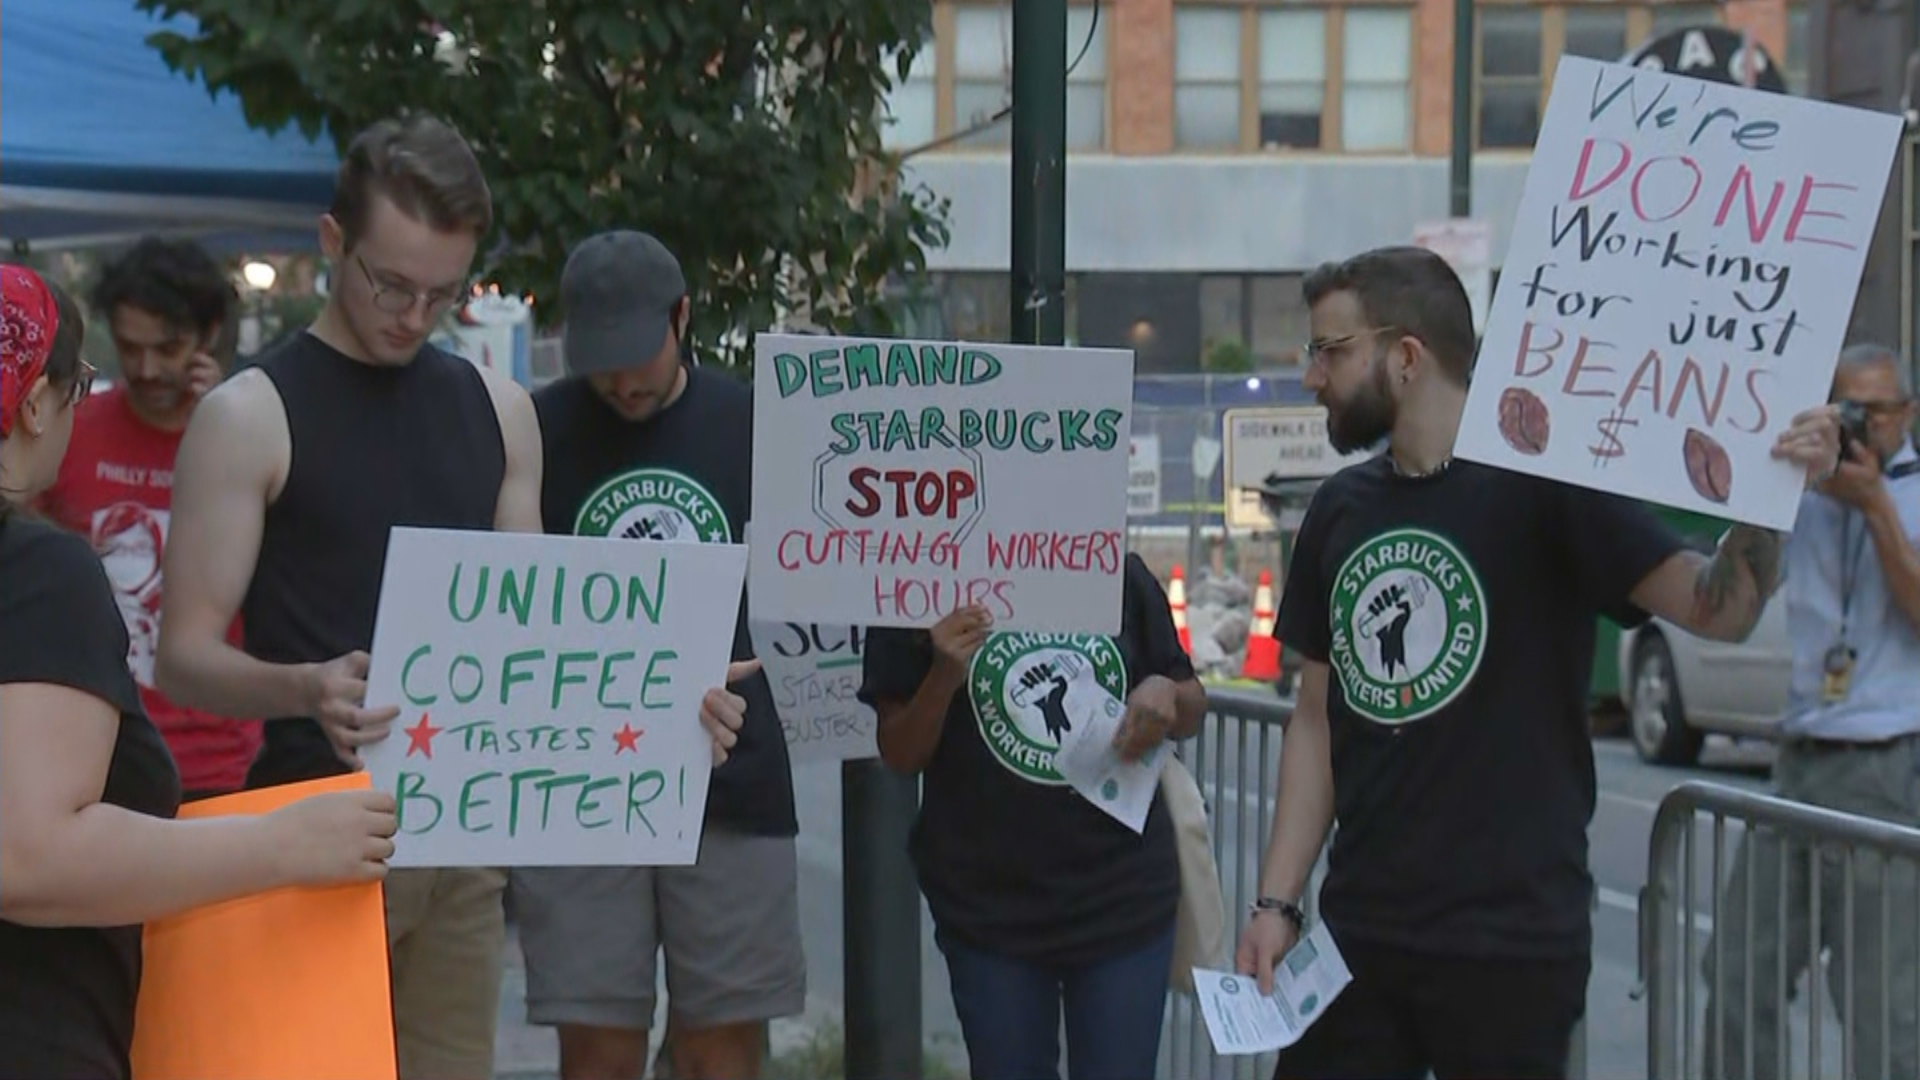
{"points": [[730, 926]]}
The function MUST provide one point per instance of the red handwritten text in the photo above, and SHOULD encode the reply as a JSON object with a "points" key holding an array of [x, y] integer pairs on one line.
{"points": [[1665, 186], [1094, 551], [1587, 374], [929, 494], [920, 598]]}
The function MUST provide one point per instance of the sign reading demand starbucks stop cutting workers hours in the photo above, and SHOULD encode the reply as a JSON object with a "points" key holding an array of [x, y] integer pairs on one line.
{"points": [[549, 691], [894, 481]]}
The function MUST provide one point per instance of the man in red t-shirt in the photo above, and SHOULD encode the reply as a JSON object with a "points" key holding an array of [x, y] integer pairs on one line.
{"points": [[166, 303]]}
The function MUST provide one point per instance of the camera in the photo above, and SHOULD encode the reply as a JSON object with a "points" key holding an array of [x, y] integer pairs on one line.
{"points": [[1853, 427]]}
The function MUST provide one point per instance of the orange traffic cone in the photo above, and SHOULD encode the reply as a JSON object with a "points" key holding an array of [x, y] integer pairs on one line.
{"points": [[1177, 603], [1263, 649]]}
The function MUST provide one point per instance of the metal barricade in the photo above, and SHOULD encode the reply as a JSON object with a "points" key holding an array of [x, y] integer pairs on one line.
{"points": [[1720, 985], [1235, 760]]}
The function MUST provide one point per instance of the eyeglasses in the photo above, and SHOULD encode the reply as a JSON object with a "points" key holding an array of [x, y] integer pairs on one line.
{"points": [[1880, 409], [395, 300], [82, 384], [1316, 351]]}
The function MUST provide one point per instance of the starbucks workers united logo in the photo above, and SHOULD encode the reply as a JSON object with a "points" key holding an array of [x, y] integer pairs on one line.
{"points": [[654, 504], [1409, 622], [1029, 690]]}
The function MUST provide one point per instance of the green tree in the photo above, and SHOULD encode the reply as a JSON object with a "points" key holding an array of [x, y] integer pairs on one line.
{"points": [[746, 135]]}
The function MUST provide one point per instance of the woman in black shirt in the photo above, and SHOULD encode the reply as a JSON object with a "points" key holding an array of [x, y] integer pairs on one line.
{"points": [[1043, 904], [87, 788]]}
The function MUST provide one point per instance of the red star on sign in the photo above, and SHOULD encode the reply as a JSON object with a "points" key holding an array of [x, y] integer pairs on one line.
{"points": [[627, 738], [420, 737]]}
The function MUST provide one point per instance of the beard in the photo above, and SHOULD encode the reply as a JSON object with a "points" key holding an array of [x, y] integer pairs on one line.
{"points": [[1366, 417]]}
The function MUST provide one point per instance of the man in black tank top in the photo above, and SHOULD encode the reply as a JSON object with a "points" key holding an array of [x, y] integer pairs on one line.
{"points": [[287, 482]]}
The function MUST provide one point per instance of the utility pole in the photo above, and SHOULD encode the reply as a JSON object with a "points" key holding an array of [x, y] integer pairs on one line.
{"points": [[1461, 172], [1038, 294]]}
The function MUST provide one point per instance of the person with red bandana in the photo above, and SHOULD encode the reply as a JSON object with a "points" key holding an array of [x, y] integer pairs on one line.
{"points": [[166, 302], [88, 851]]}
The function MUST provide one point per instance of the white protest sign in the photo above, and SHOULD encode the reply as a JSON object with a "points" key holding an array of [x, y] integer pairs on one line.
{"points": [[549, 691], [894, 481], [815, 674], [1143, 476], [1682, 273], [1286, 442]]}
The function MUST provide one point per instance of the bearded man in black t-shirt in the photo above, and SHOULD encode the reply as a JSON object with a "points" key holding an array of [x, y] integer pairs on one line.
{"points": [[1445, 612]]}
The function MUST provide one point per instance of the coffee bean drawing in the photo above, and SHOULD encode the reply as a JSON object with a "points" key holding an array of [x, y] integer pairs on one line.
{"points": [[1708, 466], [1523, 421]]}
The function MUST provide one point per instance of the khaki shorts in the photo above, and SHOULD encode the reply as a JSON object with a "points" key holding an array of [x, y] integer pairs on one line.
{"points": [[730, 927], [447, 932]]}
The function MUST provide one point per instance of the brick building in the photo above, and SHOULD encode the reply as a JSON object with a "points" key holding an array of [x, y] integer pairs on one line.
{"points": [[1218, 148]]}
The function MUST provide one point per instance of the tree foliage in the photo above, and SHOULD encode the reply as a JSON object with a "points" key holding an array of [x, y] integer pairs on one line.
{"points": [[743, 133]]}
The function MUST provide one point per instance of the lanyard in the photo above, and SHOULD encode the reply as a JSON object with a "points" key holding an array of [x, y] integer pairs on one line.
{"points": [[1852, 550]]}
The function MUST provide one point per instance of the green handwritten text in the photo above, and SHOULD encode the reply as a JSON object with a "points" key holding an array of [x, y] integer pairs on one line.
{"points": [[511, 592], [1041, 432], [615, 680], [831, 371], [534, 800]]}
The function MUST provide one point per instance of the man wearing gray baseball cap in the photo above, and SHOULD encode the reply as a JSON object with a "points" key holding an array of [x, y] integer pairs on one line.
{"points": [[641, 443]]}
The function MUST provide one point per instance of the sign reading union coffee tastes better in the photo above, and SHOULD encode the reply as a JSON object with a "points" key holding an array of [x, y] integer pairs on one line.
{"points": [[894, 481]]}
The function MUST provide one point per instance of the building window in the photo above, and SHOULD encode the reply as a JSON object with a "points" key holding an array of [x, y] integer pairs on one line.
{"points": [[1257, 77], [1264, 312], [1086, 79], [911, 117], [979, 55], [1521, 45], [1292, 97], [1206, 78], [982, 74], [1510, 61], [1376, 70]]}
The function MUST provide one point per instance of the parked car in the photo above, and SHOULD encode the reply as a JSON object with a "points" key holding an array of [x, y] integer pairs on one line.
{"points": [[1679, 689]]}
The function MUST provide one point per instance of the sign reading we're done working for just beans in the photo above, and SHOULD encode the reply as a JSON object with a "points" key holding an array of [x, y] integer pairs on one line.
{"points": [[549, 691], [894, 481], [1682, 271]]}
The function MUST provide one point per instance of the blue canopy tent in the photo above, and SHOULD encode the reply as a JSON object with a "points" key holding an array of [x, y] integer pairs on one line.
{"points": [[101, 142]]}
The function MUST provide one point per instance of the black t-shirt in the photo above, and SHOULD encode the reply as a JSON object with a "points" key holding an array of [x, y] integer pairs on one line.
{"points": [[67, 995], [1011, 859], [1457, 613], [685, 475]]}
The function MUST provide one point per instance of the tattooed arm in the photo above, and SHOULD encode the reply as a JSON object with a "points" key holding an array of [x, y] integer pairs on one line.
{"points": [[1719, 597]]}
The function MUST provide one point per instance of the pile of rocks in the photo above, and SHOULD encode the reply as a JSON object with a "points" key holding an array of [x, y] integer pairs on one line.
{"points": [[1219, 614]]}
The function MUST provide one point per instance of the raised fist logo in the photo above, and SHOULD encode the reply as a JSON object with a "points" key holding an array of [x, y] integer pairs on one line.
{"points": [[1388, 614], [652, 527], [1044, 688]]}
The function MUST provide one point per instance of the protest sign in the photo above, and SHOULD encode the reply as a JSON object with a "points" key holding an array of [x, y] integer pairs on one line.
{"points": [[815, 675], [894, 481], [230, 991], [1681, 276], [549, 689]]}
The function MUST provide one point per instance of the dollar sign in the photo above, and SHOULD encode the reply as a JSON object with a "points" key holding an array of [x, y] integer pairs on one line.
{"points": [[1609, 446]]}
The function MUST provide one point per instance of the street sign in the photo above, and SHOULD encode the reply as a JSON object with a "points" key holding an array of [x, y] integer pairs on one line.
{"points": [[1467, 246], [1282, 443], [1143, 476]]}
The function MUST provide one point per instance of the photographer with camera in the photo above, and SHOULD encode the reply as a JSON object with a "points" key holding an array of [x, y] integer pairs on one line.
{"points": [[1850, 741]]}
